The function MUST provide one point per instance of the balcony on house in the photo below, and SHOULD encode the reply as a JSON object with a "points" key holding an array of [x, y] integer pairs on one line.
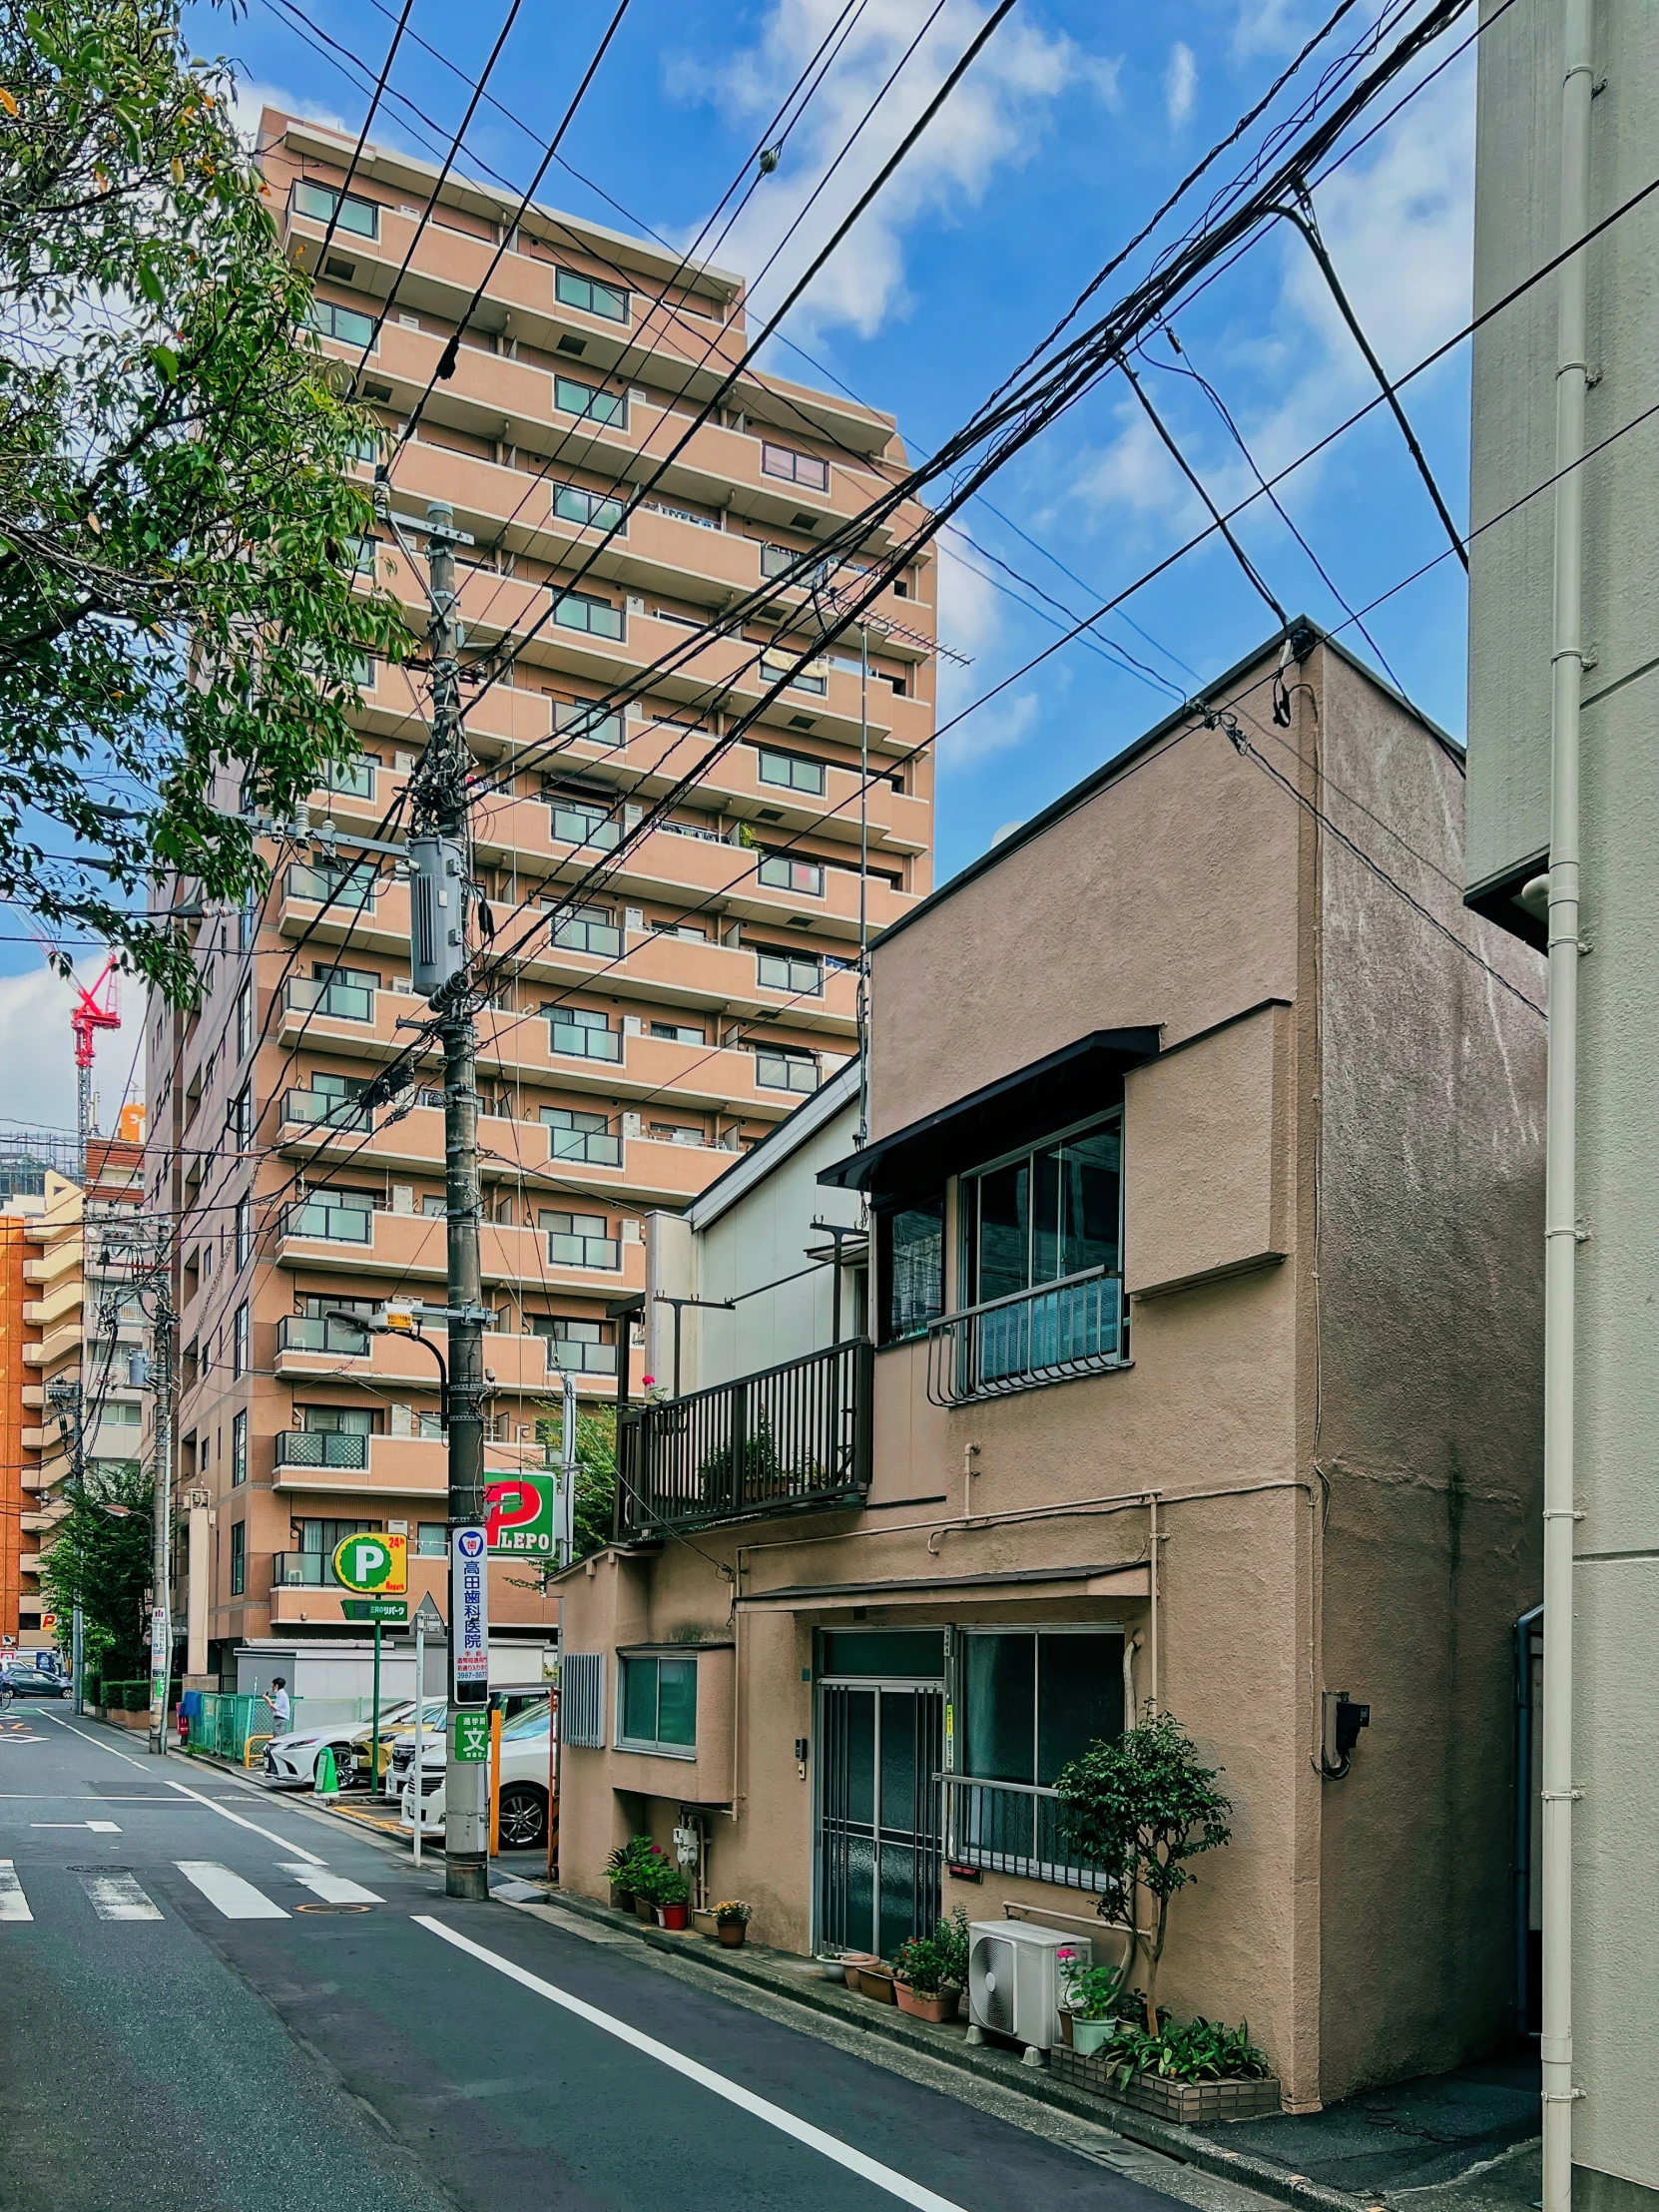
{"points": [[1017, 1342], [321, 1447], [790, 1436], [315, 1217]]}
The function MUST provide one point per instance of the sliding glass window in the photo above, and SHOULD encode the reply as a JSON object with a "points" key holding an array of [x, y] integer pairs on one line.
{"points": [[1049, 1215]]}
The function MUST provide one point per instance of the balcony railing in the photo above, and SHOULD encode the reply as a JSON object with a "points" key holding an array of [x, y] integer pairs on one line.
{"points": [[327, 995], [338, 1224], [322, 1333], [1013, 1827], [583, 1252], [352, 888], [581, 825], [782, 1071], [597, 937], [1048, 1335], [303, 1571], [585, 1044], [321, 1447], [569, 1355], [794, 1435], [594, 1147], [327, 1109]]}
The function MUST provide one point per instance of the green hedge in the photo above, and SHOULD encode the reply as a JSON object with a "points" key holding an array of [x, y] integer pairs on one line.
{"points": [[137, 1699], [91, 1685]]}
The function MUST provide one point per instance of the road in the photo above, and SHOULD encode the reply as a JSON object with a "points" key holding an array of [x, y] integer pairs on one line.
{"points": [[215, 1998]]}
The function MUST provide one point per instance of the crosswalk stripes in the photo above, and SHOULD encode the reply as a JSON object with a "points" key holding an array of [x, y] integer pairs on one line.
{"points": [[116, 1895], [235, 1898]]}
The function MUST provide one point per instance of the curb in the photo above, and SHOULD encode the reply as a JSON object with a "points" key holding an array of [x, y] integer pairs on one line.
{"points": [[1183, 2144]]}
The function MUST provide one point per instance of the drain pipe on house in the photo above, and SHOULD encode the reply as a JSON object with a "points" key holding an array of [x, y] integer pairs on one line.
{"points": [[1561, 1123]]}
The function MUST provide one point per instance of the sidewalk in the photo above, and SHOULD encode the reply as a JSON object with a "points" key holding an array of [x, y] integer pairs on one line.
{"points": [[1454, 2143]]}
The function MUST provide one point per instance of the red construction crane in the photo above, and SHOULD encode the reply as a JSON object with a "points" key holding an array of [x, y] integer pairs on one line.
{"points": [[96, 1011]]}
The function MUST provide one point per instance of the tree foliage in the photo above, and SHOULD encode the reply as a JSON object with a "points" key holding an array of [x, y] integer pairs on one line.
{"points": [[100, 1562], [1138, 1808], [179, 521], [595, 1473]]}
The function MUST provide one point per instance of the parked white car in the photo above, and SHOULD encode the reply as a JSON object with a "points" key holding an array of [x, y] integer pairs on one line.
{"points": [[399, 1767], [291, 1761], [524, 1771]]}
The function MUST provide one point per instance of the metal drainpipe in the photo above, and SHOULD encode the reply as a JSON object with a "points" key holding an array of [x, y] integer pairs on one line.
{"points": [[1523, 1813], [1562, 1176]]}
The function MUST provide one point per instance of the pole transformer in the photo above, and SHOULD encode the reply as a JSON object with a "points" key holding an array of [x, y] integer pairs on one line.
{"points": [[440, 874]]}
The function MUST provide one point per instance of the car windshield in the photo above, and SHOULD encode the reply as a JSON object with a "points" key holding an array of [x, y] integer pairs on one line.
{"points": [[531, 1722]]}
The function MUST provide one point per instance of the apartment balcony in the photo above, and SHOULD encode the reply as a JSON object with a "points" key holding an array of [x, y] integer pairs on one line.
{"points": [[411, 1247], [792, 1436], [311, 1347], [303, 1605], [61, 1345], [1052, 1334], [413, 1467], [42, 1313], [65, 1256]]}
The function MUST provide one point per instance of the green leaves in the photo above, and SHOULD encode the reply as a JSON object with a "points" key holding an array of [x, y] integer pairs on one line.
{"points": [[196, 647], [1140, 1808]]}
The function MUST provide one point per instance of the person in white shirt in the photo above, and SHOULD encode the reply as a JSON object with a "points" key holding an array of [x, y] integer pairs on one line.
{"points": [[276, 1697]]}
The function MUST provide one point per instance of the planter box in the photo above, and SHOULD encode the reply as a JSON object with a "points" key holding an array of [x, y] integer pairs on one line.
{"points": [[939, 2007], [138, 1722], [1186, 2103], [876, 1982]]}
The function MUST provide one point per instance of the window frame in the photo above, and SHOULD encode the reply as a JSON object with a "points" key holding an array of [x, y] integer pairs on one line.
{"points": [[656, 1747], [915, 1332], [239, 1558], [563, 276], [588, 411], [793, 474], [956, 1663], [966, 1270], [793, 761], [336, 214], [323, 316], [239, 1450]]}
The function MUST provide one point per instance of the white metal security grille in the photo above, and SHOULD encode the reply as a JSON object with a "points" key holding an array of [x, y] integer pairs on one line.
{"points": [[582, 1700]]}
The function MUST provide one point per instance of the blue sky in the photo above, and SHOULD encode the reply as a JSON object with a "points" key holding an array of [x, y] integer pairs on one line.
{"points": [[1069, 129]]}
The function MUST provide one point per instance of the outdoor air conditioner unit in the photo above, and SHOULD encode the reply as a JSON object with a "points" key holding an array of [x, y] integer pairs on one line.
{"points": [[1014, 1981]]}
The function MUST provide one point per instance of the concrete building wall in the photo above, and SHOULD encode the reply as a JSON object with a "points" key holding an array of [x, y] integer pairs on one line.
{"points": [[1615, 1996]]}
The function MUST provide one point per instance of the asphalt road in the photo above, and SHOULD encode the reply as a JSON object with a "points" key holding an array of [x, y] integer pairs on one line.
{"points": [[212, 1998]]}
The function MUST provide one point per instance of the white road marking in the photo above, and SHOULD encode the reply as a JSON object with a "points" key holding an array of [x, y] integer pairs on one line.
{"points": [[98, 1827], [868, 2169], [235, 1898], [116, 1896], [333, 1889], [14, 1906], [296, 1851]]}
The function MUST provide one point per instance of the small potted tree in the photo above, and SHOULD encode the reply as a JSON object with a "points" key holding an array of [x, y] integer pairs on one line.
{"points": [[732, 1921], [931, 1971], [1090, 1998], [1139, 1809], [619, 1870], [674, 1898]]}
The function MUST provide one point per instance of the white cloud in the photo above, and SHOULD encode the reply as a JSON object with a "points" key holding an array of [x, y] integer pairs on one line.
{"points": [[37, 1054], [1180, 84], [1266, 27], [993, 119], [252, 95], [971, 619]]}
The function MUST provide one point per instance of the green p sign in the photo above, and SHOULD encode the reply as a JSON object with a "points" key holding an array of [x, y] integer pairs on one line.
{"points": [[472, 1735], [373, 1565]]}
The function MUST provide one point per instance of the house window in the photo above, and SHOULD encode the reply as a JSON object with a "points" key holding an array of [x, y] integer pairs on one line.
{"points": [[319, 1538], [239, 1343], [238, 1557], [432, 1540], [239, 1450], [579, 1240], [571, 396], [779, 970], [792, 773], [589, 509], [245, 1230], [122, 1414], [1044, 1215], [337, 1421], [657, 1706], [777, 1069], [1032, 1699], [242, 1118], [344, 209], [576, 718], [244, 1019], [578, 610], [678, 1032], [910, 1243], [780, 873], [793, 467], [779, 668], [590, 295], [577, 1347], [343, 324]]}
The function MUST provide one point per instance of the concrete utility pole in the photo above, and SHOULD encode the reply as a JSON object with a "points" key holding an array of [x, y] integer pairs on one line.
{"points": [[439, 884], [161, 1570], [65, 1398]]}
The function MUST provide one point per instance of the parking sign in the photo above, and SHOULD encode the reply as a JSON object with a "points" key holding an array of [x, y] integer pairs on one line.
{"points": [[373, 1565]]}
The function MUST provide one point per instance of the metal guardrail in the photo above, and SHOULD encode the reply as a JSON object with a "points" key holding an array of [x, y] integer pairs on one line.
{"points": [[793, 1435], [1013, 1827], [321, 1447], [1046, 1335]]}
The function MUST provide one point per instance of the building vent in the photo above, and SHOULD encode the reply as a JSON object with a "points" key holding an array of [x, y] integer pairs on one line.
{"points": [[344, 271], [582, 1700], [379, 394], [804, 522], [802, 722], [578, 346]]}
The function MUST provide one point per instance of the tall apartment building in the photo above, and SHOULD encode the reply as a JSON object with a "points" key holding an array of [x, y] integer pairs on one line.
{"points": [[668, 1023]]}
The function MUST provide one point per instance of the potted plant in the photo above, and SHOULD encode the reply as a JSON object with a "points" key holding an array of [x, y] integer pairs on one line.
{"points": [[732, 1921], [929, 1972], [673, 1897], [619, 1869], [653, 1871], [1139, 1809], [1090, 1998]]}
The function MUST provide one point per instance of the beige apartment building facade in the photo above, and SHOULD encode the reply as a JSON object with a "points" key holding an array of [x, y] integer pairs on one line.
{"points": [[649, 1036], [1203, 1374]]}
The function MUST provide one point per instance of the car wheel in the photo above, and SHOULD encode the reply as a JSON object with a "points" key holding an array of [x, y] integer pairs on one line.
{"points": [[524, 1816]]}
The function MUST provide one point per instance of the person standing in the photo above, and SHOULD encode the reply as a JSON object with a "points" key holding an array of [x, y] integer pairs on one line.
{"points": [[281, 1710]]}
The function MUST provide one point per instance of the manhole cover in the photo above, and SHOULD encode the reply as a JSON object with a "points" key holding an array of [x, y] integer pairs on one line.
{"points": [[333, 1908]]}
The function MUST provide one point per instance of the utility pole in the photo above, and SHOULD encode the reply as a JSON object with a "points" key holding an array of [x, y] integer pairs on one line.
{"points": [[440, 873], [65, 1400], [160, 1570]]}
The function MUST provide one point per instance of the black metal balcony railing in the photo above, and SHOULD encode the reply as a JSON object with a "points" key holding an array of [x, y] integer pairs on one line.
{"points": [[796, 1434], [1047, 1334], [1013, 1827], [321, 1447]]}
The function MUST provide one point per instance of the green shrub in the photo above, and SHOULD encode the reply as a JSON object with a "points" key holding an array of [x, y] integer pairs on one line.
{"points": [[137, 1695], [91, 1689], [1199, 2051], [932, 1962]]}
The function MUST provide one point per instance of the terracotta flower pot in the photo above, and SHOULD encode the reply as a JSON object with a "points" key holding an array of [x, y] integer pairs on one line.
{"points": [[677, 1916], [939, 2007], [731, 1933], [876, 1984]]}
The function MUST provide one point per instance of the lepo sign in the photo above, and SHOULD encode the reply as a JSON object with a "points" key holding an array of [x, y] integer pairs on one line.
{"points": [[373, 1565], [519, 1516]]}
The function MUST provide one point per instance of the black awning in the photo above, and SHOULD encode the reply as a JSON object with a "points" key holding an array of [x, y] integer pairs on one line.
{"points": [[1065, 1087]]}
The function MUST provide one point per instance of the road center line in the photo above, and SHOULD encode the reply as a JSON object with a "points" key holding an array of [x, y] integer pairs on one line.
{"points": [[296, 1851], [829, 2146]]}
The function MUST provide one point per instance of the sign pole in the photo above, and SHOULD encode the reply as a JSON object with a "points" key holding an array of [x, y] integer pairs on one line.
{"points": [[419, 1721], [374, 1739]]}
